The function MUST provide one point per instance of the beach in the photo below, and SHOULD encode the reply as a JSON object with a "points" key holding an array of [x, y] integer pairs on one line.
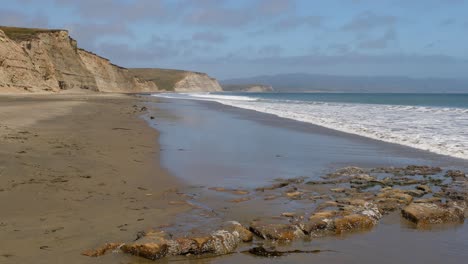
{"points": [[77, 172], [80, 171]]}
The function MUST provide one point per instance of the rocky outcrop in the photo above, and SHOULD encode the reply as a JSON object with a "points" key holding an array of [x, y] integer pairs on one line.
{"points": [[154, 245], [39, 60], [340, 203], [197, 82]]}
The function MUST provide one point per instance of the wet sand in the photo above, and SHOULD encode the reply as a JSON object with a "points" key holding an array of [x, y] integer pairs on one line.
{"points": [[77, 172], [210, 145]]}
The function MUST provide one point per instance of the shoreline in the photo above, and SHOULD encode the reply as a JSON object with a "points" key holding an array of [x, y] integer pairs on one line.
{"points": [[94, 170], [228, 155], [318, 129], [82, 170]]}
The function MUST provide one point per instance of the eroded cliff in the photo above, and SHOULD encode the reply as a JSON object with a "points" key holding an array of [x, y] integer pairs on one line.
{"points": [[178, 80], [39, 60]]}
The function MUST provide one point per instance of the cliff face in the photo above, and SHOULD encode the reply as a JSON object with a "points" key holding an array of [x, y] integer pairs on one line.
{"points": [[55, 56], [111, 78], [41, 60], [18, 72], [197, 82], [178, 80]]}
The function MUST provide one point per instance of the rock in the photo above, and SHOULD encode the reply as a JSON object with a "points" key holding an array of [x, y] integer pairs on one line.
{"points": [[294, 194], [354, 222], [431, 213], [222, 242], [273, 187], [154, 245], [338, 190], [424, 188], [455, 174], [232, 191], [410, 170], [287, 232], [288, 214], [182, 246], [101, 251], [422, 170], [428, 200], [319, 221], [327, 204], [244, 234], [398, 194], [392, 199], [347, 171], [415, 193]]}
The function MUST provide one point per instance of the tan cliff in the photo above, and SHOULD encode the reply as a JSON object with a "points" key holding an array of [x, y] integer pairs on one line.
{"points": [[249, 88], [47, 61], [112, 78], [178, 80]]}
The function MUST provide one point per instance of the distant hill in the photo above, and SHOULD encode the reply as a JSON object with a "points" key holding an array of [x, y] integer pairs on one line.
{"points": [[301, 82]]}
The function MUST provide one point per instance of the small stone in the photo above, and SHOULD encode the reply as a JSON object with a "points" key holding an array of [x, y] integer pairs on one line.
{"points": [[338, 190], [295, 194], [424, 188], [288, 214]]}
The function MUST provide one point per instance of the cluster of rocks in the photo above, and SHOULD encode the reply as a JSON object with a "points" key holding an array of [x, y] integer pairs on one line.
{"points": [[158, 244], [350, 199]]}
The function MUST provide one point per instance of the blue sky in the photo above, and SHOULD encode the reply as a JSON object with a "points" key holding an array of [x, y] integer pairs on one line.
{"points": [[241, 38]]}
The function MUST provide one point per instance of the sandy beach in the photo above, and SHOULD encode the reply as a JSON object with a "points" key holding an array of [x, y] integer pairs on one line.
{"points": [[80, 171], [76, 172]]}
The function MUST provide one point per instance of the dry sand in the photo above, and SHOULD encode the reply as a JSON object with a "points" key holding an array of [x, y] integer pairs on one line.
{"points": [[77, 172]]}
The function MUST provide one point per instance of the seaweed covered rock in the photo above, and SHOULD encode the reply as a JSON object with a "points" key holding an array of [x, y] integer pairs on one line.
{"points": [[153, 245], [244, 234], [276, 231], [432, 213], [353, 222]]}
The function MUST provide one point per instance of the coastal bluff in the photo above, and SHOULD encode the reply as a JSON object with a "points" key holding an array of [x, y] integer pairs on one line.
{"points": [[50, 61], [178, 80]]}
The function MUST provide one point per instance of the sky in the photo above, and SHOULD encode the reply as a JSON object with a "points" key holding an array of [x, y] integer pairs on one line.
{"points": [[242, 38]]}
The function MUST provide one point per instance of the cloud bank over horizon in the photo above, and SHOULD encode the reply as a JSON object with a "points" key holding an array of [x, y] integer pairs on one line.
{"points": [[229, 38]]}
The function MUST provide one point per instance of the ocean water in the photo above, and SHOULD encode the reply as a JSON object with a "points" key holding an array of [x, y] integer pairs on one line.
{"points": [[434, 122]]}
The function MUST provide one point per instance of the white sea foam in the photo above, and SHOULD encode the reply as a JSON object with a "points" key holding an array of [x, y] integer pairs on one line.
{"points": [[205, 96], [436, 129]]}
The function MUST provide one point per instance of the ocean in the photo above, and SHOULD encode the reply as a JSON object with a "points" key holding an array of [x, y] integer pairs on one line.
{"points": [[216, 140], [433, 122]]}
